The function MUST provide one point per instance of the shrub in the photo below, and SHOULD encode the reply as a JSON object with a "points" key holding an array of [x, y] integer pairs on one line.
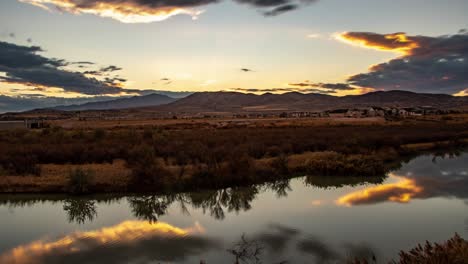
{"points": [[280, 165], [79, 181], [454, 251], [99, 134]]}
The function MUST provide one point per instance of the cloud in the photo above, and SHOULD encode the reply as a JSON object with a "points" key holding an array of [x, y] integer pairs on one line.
{"points": [[325, 88], [420, 179], [127, 11], [147, 11], [246, 70], [276, 7], [277, 237], [23, 65], [111, 68], [127, 242], [427, 64], [320, 250], [280, 9], [283, 90]]}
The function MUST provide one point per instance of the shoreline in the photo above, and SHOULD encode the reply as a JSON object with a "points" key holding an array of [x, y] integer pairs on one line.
{"points": [[152, 159], [59, 184]]}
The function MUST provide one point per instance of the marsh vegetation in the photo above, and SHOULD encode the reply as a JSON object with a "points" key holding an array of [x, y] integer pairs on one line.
{"points": [[152, 158]]}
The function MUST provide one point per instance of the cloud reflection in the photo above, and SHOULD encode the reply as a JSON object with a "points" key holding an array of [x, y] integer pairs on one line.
{"points": [[420, 179], [123, 243]]}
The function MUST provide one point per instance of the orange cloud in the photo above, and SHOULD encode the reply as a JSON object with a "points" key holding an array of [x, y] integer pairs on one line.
{"points": [[124, 11], [396, 42], [125, 232], [401, 192]]}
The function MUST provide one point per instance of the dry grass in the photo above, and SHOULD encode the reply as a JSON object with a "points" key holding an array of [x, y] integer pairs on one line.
{"points": [[53, 178]]}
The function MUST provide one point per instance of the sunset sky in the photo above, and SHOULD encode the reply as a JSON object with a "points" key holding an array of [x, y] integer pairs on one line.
{"points": [[82, 48]]}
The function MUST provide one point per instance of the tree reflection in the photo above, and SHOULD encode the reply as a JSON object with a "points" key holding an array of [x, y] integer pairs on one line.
{"points": [[247, 251], [281, 187], [230, 199], [339, 182], [150, 207], [80, 210]]}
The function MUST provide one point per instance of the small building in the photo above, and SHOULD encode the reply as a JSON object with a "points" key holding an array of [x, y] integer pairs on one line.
{"points": [[34, 123]]}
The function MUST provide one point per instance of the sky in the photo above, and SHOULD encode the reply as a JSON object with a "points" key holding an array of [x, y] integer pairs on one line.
{"points": [[84, 48]]}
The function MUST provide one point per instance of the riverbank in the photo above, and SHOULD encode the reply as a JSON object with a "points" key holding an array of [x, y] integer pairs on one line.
{"points": [[155, 159]]}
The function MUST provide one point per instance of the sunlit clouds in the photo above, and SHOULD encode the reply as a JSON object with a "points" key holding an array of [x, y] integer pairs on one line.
{"points": [[396, 42], [124, 11], [426, 64], [147, 11], [401, 191]]}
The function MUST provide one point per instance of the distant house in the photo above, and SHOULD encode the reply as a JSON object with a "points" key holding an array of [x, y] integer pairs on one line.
{"points": [[34, 123], [353, 113]]}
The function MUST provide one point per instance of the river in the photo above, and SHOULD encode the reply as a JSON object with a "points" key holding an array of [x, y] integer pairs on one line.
{"points": [[301, 220]]}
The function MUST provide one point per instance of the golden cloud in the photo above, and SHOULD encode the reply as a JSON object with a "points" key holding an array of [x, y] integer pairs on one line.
{"points": [[126, 11], [396, 42], [125, 232], [401, 191]]}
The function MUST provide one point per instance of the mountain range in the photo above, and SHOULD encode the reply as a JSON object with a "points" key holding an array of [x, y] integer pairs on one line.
{"points": [[240, 102], [122, 103], [229, 102]]}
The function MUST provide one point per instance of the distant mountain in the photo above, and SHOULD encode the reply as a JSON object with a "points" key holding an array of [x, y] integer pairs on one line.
{"points": [[121, 103], [240, 102]]}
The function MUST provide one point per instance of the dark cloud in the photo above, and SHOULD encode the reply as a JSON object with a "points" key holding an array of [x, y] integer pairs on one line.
{"points": [[428, 64], [329, 86], [277, 237], [280, 9], [322, 252], [166, 81], [276, 7], [111, 68], [144, 11], [84, 63], [23, 65], [322, 88], [284, 90]]}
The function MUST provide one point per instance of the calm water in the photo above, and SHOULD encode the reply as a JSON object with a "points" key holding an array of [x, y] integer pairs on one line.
{"points": [[304, 220]]}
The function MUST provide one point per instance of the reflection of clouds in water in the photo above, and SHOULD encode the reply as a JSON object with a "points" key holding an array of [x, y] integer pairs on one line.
{"points": [[402, 191], [420, 179], [127, 242], [80, 210], [276, 237], [326, 253], [321, 251]]}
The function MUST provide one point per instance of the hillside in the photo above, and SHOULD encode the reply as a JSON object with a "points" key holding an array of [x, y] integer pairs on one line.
{"points": [[123, 103], [240, 102]]}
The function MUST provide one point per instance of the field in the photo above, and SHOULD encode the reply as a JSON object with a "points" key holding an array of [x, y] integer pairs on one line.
{"points": [[165, 155]]}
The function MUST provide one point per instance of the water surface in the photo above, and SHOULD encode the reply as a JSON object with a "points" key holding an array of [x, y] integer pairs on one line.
{"points": [[302, 220]]}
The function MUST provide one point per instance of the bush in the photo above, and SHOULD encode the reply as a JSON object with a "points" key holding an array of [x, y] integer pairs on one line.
{"points": [[454, 251], [79, 181], [280, 165], [99, 134]]}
